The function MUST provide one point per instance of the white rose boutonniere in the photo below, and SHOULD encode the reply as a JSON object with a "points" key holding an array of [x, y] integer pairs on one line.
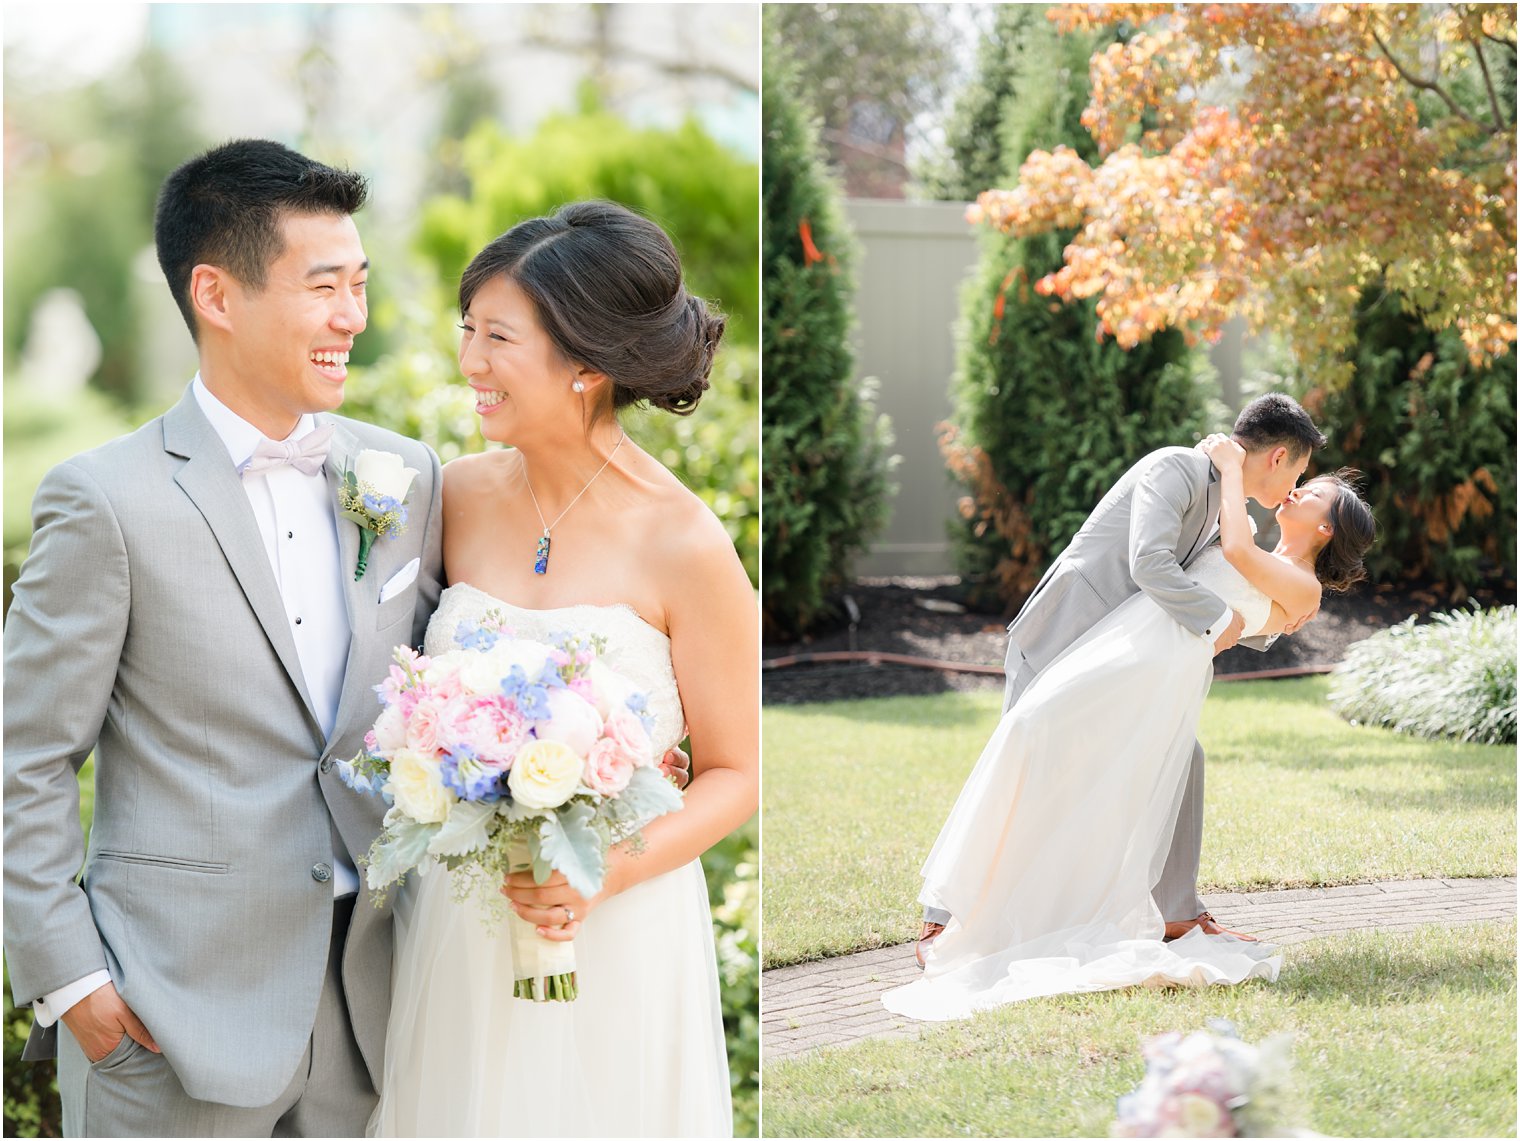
{"points": [[373, 495]]}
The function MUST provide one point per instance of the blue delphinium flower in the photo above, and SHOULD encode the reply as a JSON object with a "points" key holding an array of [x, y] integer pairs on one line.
{"points": [[470, 635], [532, 697], [469, 779], [639, 704]]}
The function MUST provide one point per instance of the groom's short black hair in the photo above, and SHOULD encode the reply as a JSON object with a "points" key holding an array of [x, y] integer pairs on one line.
{"points": [[1277, 420], [224, 208]]}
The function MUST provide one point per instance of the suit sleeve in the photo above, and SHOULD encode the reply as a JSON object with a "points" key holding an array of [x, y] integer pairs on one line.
{"points": [[1161, 498], [430, 572], [63, 641]]}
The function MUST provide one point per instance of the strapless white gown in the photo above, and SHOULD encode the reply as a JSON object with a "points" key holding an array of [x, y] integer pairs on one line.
{"points": [[1047, 861], [640, 1053]]}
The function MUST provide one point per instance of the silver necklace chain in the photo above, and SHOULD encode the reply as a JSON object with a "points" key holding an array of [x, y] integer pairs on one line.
{"points": [[542, 557]]}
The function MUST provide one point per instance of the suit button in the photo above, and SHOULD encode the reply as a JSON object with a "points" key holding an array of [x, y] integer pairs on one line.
{"points": [[321, 872], [326, 765]]}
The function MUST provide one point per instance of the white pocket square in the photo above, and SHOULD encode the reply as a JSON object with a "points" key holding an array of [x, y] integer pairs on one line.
{"points": [[399, 581]]}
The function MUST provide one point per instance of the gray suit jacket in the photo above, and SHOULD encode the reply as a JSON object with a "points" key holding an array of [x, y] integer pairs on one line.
{"points": [[1142, 535], [147, 626]]}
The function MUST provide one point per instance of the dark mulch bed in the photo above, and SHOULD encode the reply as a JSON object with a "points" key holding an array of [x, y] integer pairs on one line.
{"points": [[927, 618]]}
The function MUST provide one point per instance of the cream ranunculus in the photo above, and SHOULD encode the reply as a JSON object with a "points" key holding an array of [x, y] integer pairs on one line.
{"points": [[416, 783], [544, 775], [385, 472]]}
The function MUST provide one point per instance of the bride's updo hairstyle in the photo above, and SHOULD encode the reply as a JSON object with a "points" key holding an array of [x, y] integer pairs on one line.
{"points": [[606, 285], [1338, 566]]}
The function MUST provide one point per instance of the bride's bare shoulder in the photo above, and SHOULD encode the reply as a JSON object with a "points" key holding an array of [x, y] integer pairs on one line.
{"points": [[474, 478]]}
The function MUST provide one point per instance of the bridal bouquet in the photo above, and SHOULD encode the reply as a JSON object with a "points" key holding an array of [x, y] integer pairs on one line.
{"points": [[1210, 1085], [507, 754]]}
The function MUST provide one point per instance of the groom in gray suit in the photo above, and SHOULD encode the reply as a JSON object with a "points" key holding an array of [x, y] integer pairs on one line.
{"points": [[1143, 535], [190, 612]]}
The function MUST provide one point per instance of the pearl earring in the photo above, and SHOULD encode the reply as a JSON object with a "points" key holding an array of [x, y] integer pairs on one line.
{"points": [[577, 386]]}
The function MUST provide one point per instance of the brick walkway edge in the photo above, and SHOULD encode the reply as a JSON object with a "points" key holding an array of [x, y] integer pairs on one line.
{"points": [[838, 1001]]}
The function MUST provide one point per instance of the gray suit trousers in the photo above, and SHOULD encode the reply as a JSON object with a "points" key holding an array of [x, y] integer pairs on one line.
{"points": [[133, 1092]]}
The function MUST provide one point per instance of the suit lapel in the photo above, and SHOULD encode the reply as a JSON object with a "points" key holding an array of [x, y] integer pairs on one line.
{"points": [[357, 596], [213, 485], [1210, 517]]}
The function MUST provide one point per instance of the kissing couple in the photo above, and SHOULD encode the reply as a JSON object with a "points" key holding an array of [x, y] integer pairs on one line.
{"points": [[197, 612], [1069, 862]]}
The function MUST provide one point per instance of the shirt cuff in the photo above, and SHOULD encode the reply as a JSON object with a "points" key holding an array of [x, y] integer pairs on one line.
{"points": [[1217, 627], [55, 1004]]}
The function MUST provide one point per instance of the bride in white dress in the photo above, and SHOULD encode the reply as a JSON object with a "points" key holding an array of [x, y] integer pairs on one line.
{"points": [[565, 320], [1049, 856]]}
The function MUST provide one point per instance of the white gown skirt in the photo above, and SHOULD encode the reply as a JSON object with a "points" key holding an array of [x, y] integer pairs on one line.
{"points": [[1047, 861], [639, 1053]]}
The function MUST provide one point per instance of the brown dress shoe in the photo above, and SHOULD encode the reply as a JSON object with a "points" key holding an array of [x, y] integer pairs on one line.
{"points": [[926, 937], [1210, 926]]}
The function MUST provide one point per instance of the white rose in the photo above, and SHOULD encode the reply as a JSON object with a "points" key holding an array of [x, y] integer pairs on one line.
{"points": [[482, 671], [385, 472], [1200, 1116], [417, 785], [544, 775], [573, 721], [441, 668], [612, 689]]}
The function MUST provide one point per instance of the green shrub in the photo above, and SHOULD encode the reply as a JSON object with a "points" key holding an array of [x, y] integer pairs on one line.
{"points": [[32, 1108], [1047, 415], [826, 463], [1436, 439], [733, 885], [1452, 678]]}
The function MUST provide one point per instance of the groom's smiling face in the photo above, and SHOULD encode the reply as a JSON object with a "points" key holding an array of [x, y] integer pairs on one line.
{"points": [[288, 342]]}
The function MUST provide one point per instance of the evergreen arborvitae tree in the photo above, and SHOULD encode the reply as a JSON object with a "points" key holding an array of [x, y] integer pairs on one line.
{"points": [[825, 466], [973, 159], [1435, 439], [1047, 415]]}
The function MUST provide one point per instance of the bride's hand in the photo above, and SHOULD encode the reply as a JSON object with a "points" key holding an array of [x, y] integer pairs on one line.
{"points": [[1223, 452], [553, 906]]}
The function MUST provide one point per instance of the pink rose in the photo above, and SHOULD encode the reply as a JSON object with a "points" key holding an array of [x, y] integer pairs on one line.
{"points": [[609, 768], [625, 727], [422, 726]]}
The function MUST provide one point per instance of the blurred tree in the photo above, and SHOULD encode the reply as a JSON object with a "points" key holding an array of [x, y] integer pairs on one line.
{"points": [[973, 156], [866, 72], [826, 464], [79, 198], [1047, 414], [1346, 161]]}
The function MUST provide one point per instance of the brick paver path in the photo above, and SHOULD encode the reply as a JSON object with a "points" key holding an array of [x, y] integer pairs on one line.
{"points": [[838, 1001]]}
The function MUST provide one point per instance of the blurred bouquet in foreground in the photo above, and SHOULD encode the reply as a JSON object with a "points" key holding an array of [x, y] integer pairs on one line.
{"points": [[1211, 1085], [508, 754]]}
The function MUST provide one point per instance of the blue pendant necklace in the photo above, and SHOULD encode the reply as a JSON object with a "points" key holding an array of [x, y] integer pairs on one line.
{"points": [[541, 555]]}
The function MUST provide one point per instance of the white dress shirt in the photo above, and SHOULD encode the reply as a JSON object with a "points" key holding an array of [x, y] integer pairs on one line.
{"points": [[297, 520]]}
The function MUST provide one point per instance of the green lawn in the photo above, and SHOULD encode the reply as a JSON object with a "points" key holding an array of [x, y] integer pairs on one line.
{"points": [[1396, 1034], [855, 793]]}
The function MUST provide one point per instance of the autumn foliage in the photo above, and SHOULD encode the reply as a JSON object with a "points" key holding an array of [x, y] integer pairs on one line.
{"points": [[1275, 162]]}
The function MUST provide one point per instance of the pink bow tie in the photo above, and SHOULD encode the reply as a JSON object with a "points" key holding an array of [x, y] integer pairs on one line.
{"points": [[306, 455]]}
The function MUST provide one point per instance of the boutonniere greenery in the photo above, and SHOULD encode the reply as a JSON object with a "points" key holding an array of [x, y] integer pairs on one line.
{"points": [[373, 495]]}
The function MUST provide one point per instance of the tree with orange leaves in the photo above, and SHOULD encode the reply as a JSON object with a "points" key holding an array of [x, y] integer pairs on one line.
{"points": [[1278, 162]]}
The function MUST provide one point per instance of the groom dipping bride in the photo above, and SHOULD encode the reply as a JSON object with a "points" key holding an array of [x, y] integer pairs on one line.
{"points": [[1070, 860]]}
